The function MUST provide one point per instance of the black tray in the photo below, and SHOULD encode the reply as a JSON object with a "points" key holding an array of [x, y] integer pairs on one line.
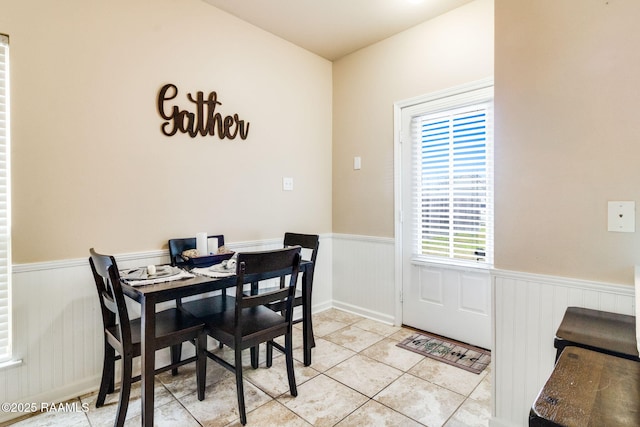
{"points": [[208, 260]]}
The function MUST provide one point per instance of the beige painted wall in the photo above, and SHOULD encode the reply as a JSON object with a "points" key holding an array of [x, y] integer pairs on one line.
{"points": [[453, 49], [90, 166], [567, 136]]}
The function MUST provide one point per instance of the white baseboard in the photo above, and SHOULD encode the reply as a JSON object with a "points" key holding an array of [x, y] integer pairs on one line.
{"points": [[370, 314]]}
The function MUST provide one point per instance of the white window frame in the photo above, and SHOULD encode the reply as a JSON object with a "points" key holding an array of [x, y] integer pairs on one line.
{"points": [[480, 92], [5, 207]]}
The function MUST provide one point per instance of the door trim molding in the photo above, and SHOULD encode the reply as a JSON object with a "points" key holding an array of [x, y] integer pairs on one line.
{"points": [[397, 172]]}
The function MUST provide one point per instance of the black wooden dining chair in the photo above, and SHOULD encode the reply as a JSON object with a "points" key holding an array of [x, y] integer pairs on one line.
{"points": [[305, 241], [310, 242], [123, 335], [200, 307], [249, 322]]}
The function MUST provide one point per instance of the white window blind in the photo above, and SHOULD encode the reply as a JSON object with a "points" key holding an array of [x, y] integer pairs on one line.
{"points": [[453, 182], [5, 223]]}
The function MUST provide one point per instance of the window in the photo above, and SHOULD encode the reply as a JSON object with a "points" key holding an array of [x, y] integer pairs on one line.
{"points": [[5, 223], [452, 145]]}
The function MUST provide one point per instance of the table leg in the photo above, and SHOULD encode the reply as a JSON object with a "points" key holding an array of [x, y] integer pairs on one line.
{"points": [[148, 319], [307, 326]]}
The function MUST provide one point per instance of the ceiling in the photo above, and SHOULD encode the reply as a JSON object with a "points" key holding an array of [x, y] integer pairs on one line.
{"points": [[334, 28]]}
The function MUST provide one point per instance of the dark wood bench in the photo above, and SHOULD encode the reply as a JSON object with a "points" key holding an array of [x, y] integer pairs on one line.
{"points": [[589, 388], [600, 331]]}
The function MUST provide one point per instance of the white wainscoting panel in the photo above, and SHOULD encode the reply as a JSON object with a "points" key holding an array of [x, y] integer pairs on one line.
{"points": [[57, 325], [363, 276], [528, 309]]}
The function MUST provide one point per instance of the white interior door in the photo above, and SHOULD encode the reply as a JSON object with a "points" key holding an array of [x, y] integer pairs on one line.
{"points": [[446, 298]]}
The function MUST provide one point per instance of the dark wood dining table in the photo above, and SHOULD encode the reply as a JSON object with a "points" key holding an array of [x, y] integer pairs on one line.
{"points": [[150, 295]]}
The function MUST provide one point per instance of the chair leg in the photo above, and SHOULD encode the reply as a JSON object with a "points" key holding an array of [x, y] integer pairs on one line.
{"points": [[288, 345], [239, 386], [201, 364], [312, 339], [269, 353], [108, 374], [176, 356], [254, 356], [125, 390]]}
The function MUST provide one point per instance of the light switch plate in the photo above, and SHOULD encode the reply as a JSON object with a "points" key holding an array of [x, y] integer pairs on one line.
{"points": [[357, 163], [287, 183], [622, 217]]}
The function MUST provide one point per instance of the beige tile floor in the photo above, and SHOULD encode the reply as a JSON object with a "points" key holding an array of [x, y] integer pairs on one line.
{"points": [[359, 377]]}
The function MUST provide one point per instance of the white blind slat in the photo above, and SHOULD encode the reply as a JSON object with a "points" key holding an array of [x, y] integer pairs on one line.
{"points": [[453, 160]]}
